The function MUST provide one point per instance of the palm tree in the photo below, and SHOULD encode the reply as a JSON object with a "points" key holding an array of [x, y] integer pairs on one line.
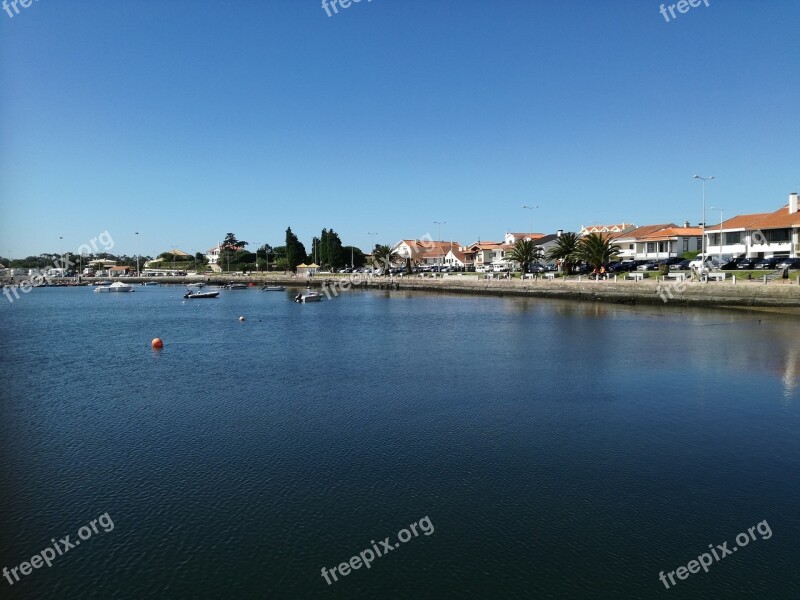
{"points": [[565, 250], [597, 249], [384, 254], [524, 252]]}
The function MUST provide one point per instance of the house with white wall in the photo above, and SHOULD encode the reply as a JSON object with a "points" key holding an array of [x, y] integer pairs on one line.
{"points": [[424, 252], [658, 242], [760, 235], [513, 238], [615, 229]]}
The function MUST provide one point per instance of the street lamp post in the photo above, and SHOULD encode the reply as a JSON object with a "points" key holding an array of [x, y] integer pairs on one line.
{"points": [[530, 208], [703, 179], [137, 254], [720, 231], [440, 223]]}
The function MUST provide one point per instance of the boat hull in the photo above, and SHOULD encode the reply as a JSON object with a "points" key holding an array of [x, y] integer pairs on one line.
{"points": [[309, 297], [114, 287]]}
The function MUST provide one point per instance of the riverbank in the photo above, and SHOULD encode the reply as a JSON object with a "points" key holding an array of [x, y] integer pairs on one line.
{"points": [[730, 293]]}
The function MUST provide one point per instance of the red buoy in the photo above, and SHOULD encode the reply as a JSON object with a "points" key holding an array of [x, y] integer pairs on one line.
{"points": [[157, 343]]}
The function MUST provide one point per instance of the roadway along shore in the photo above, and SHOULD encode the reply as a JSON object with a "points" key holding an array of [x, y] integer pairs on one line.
{"points": [[742, 293]]}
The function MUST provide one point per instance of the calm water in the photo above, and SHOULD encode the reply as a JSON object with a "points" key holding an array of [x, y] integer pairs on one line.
{"points": [[560, 450]]}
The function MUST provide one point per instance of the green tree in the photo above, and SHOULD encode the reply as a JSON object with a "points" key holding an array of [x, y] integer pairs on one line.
{"points": [[295, 250], [357, 256], [525, 253], [597, 249], [330, 251], [264, 251], [384, 256], [227, 253], [566, 251], [200, 262]]}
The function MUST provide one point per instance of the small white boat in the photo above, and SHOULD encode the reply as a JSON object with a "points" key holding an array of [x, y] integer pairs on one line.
{"points": [[117, 286], [190, 295], [236, 286], [199, 285], [273, 288], [308, 296], [149, 283]]}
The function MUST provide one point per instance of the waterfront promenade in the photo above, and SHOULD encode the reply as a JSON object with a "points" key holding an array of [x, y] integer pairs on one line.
{"points": [[652, 290]]}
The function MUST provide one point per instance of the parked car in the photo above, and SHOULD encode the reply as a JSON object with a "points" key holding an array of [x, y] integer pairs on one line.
{"points": [[767, 264], [699, 262], [650, 265], [792, 263], [746, 263], [672, 260], [730, 265], [680, 266]]}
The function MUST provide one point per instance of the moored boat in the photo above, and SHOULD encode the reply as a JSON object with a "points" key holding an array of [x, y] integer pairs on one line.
{"points": [[199, 285], [308, 296], [190, 295], [117, 286], [273, 288], [236, 286]]}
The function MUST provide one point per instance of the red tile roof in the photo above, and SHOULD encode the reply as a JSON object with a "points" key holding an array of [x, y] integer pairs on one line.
{"points": [[777, 220], [742, 221], [641, 232]]}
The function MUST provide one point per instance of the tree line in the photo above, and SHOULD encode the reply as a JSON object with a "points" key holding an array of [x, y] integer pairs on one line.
{"points": [[327, 251]]}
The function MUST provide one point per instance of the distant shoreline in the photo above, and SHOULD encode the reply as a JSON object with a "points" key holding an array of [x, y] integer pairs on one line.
{"points": [[742, 294]]}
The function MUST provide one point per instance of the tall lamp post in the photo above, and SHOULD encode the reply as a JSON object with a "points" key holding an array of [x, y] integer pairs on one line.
{"points": [[720, 231], [530, 208], [440, 223], [136, 233], [704, 179]]}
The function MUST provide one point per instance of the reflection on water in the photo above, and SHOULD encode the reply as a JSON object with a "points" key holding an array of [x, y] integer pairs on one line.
{"points": [[563, 449]]}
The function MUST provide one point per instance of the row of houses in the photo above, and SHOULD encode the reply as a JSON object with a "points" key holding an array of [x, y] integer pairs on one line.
{"points": [[758, 235]]}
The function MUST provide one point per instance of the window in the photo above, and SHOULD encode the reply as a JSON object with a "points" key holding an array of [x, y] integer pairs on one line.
{"points": [[734, 237], [685, 244], [778, 235], [713, 239], [651, 247]]}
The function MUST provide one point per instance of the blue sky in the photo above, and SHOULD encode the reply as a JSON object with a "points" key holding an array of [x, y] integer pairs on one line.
{"points": [[185, 120]]}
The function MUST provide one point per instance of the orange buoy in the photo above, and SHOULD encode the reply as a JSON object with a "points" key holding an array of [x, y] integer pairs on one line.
{"points": [[157, 343]]}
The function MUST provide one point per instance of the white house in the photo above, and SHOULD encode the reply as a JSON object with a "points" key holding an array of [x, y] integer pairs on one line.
{"points": [[513, 238], [609, 229], [657, 242], [424, 252], [212, 254], [760, 235]]}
